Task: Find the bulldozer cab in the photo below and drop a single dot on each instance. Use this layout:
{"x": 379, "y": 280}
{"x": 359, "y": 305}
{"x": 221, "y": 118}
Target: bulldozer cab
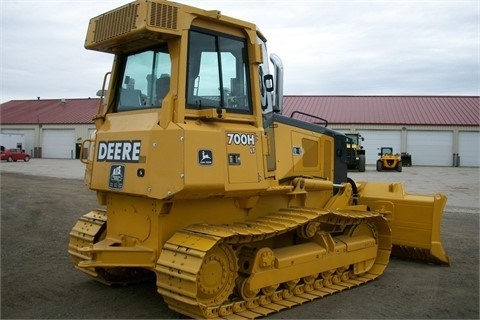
{"x": 206, "y": 68}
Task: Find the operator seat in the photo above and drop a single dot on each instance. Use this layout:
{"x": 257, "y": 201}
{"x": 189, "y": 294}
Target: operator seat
{"x": 130, "y": 98}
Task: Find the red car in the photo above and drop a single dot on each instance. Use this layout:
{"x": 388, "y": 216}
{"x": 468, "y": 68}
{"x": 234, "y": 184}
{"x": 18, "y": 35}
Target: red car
{"x": 15, "y": 155}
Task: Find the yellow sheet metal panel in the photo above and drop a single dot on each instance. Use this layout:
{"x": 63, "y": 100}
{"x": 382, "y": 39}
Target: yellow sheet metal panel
{"x": 130, "y": 155}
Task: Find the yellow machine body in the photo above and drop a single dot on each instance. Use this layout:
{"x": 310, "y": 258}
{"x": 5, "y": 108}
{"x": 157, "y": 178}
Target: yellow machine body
{"x": 389, "y": 160}
{"x": 234, "y": 208}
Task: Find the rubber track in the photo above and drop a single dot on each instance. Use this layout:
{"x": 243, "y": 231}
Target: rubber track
{"x": 181, "y": 298}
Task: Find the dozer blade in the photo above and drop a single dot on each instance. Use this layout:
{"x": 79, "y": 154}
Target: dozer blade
{"x": 415, "y": 220}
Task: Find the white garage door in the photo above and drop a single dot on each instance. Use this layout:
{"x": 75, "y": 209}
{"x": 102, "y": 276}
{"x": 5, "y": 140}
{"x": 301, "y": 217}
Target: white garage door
{"x": 375, "y": 139}
{"x": 469, "y": 149}
{"x": 29, "y": 135}
{"x": 58, "y": 143}
{"x": 430, "y": 148}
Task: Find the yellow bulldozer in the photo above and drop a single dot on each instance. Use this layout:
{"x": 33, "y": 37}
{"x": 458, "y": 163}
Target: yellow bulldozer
{"x": 235, "y": 209}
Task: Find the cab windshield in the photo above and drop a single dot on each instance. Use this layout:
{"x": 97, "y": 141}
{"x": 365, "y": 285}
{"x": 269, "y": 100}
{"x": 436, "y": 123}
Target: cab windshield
{"x": 353, "y": 138}
{"x": 145, "y": 80}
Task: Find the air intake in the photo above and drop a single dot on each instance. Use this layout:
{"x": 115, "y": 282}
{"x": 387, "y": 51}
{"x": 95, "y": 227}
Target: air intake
{"x": 116, "y": 23}
{"x": 138, "y": 25}
{"x": 163, "y": 16}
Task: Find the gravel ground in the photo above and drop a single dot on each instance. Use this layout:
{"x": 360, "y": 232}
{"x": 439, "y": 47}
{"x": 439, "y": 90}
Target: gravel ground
{"x": 41, "y": 200}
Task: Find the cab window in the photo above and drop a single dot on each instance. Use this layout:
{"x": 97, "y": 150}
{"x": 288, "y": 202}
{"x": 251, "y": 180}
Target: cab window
{"x": 145, "y": 80}
{"x": 217, "y": 74}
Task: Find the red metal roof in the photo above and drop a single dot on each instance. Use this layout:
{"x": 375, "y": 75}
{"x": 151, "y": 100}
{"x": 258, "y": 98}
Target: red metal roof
{"x": 396, "y": 110}
{"x": 49, "y": 111}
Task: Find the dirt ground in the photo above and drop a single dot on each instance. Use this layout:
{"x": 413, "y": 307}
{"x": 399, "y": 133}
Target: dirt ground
{"x": 39, "y": 281}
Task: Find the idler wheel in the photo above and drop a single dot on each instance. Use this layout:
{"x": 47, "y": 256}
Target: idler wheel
{"x": 216, "y": 277}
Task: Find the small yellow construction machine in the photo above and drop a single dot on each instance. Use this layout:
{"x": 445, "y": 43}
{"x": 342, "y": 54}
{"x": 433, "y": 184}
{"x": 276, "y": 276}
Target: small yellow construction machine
{"x": 235, "y": 209}
{"x": 389, "y": 160}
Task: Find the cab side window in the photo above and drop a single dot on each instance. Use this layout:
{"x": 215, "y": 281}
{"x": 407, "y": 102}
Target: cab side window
{"x": 145, "y": 81}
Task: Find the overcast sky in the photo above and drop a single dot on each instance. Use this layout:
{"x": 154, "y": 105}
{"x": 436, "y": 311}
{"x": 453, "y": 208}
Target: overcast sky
{"x": 327, "y": 47}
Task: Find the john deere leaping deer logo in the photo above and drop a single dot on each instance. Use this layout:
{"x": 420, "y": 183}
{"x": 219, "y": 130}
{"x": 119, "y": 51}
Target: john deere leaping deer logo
{"x": 205, "y": 157}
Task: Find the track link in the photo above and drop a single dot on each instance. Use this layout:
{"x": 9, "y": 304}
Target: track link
{"x": 187, "y": 256}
